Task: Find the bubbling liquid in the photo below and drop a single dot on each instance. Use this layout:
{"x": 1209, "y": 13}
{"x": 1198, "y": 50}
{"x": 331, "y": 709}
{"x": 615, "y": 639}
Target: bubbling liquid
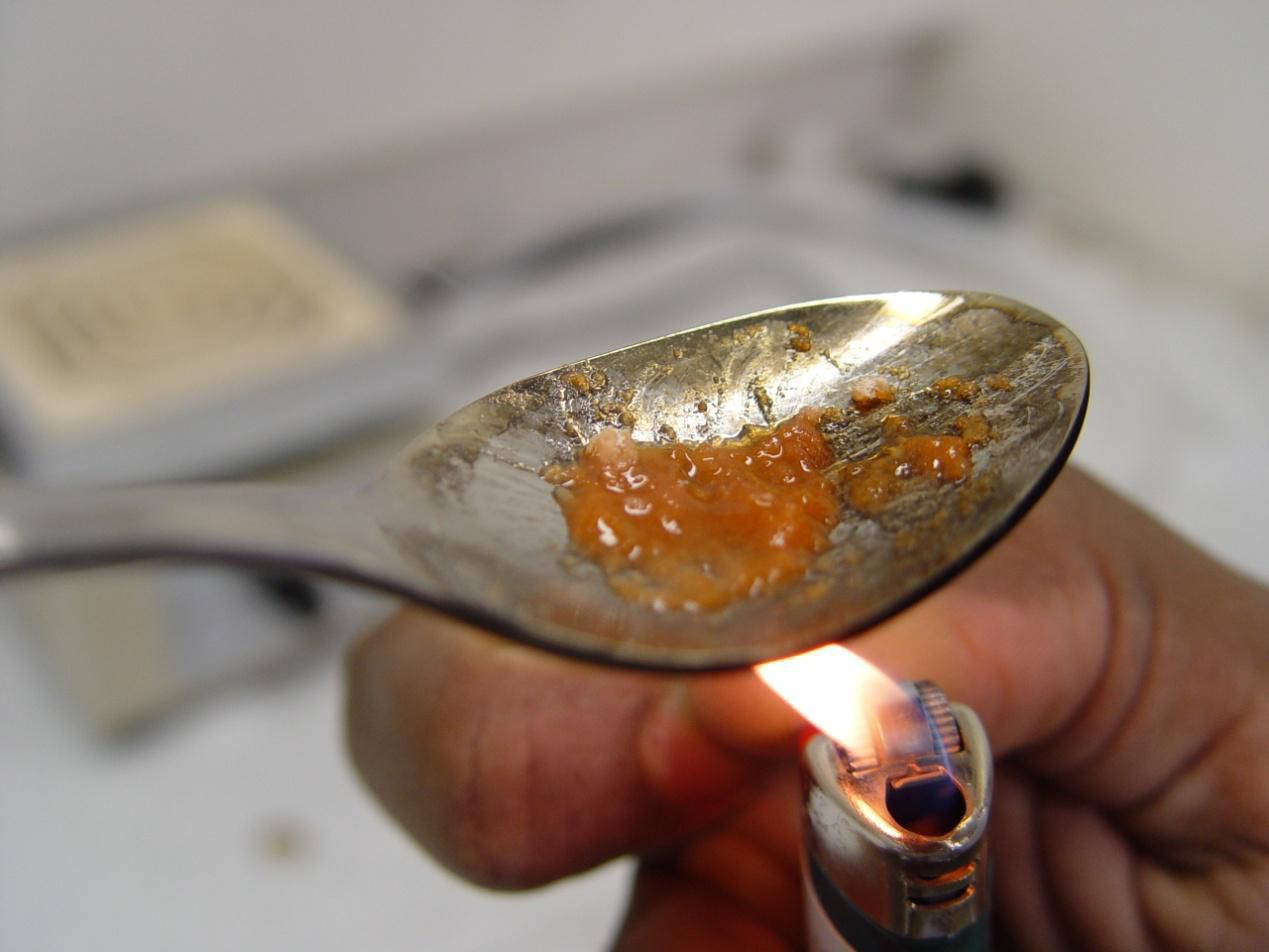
{"x": 696, "y": 527}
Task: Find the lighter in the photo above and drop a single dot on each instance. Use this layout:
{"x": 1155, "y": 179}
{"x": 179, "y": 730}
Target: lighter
{"x": 894, "y": 818}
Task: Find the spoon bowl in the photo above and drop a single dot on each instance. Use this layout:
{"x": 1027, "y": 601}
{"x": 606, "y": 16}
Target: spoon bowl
{"x": 462, "y": 520}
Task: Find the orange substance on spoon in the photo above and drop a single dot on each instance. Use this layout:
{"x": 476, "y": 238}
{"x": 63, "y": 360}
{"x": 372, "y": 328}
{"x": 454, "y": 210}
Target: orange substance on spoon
{"x": 697, "y": 527}
{"x": 871, "y": 483}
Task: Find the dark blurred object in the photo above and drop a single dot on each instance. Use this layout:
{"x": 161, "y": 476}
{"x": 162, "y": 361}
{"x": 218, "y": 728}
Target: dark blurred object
{"x": 291, "y": 591}
{"x": 434, "y": 285}
{"x": 969, "y": 186}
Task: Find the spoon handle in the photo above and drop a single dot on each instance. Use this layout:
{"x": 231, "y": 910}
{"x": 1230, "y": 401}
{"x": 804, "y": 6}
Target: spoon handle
{"x": 237, "y": 524}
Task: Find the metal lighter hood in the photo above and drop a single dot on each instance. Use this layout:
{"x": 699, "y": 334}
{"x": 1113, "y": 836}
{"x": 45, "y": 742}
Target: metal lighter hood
{"x": 894, "y": 826}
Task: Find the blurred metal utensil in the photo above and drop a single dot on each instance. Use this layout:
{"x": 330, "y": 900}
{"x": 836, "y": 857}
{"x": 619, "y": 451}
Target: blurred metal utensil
{"x": 462, "y": 521}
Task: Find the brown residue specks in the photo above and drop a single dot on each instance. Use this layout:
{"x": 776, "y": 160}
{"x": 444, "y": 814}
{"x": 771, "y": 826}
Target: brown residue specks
{"x": 702, "y": 406}
{"x": 577, "y": 381}
{"x": 973, "y": 428}
{"x": 895, "y": 426}
{"x": 764, "y": 401}
{"x": 598, "y": 380}
{"x": 868, "y": 393}
{"x": 557, "y": 475}
{"x": 954, "y": 388}
{"x": 871, "y": 483}
{"x": 668, "y": 432}
{"x": 800, "y": 338}
{"x": 997, "y": 382}
{"x": 975, "y": 493}
{"x": 617, "y": 413}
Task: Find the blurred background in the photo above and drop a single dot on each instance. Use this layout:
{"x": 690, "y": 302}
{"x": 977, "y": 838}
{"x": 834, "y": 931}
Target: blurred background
{"x": 275, "y": 239}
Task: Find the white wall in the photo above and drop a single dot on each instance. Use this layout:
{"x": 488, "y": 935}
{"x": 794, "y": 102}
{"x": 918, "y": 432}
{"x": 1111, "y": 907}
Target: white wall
{"x": 1147, "y": 120}
{"x": 103, "y": 103}
{"x": 1142, "y": 119}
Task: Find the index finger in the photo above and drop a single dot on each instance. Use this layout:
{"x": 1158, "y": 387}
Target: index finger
{"x": 515, "y": 767}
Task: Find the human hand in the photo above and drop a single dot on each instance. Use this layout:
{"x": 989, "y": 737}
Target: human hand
{"x": 1120, "y": 673}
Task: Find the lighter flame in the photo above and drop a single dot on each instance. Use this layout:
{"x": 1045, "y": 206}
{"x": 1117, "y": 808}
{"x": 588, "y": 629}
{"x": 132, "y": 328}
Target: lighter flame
{"x": 834, "y": 689}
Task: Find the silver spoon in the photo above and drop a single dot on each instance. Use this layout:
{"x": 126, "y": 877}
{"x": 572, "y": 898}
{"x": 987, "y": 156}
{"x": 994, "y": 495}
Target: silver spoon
{"x": 462, "y": 520}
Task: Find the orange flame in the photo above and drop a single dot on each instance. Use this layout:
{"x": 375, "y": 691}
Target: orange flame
{"x": 834, "y": 689}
